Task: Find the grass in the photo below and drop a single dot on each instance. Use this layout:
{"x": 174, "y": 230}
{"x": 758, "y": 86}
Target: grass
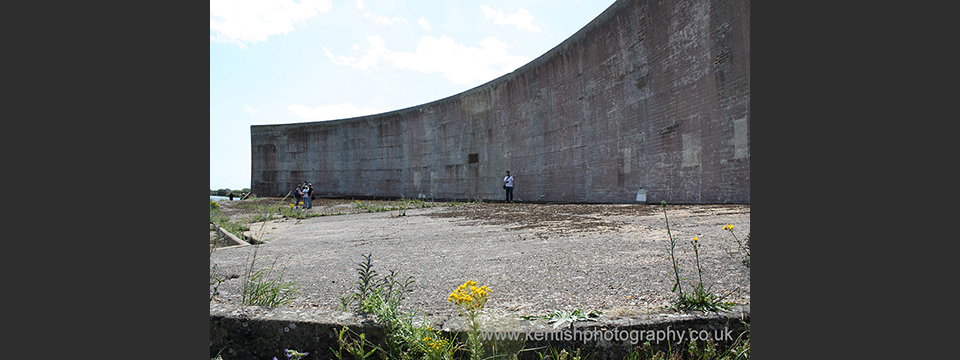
{"x": 401, "y": 205}
{"x": 223, "y": 221}
{"x": 267, "y": 213}
{"x": 261, "y": 289}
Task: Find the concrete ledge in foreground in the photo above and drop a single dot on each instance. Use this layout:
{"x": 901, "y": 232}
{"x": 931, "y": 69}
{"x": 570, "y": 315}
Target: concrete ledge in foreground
{"x": 253, "y": 332}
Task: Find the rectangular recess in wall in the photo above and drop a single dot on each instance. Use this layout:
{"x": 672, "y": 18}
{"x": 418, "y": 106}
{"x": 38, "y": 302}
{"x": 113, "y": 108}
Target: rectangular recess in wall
{"x": 473, "y": 159}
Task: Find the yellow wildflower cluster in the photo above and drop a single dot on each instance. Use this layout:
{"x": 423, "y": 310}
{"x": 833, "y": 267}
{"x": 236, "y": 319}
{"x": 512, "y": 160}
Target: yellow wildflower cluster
{"x": 469, "y": 300}
{"x": 728, "y": 227}
{"x": 435, "y": 344}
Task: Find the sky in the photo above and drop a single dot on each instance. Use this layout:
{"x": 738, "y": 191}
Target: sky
{"x": 285, "y": 61}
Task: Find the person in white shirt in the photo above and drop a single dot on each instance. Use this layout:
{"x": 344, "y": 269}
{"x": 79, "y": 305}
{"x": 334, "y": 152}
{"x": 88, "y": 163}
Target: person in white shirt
{"x": 508, "y": 186}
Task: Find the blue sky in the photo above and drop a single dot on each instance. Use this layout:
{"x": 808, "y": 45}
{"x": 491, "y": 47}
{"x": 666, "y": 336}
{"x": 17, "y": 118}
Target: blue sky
{"x": 284, "y": 61}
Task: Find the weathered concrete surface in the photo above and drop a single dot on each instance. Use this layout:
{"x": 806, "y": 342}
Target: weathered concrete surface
{"x": 649, "y": 101}
{"x": 254, "y": 332}
{"x": 535, "y": 259}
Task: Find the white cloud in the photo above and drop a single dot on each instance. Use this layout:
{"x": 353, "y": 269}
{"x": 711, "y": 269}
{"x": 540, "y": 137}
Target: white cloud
{"x": 255, "y": 20}
{"x": 330, "y": 112}
{"x": 366, "y": 62}
{"x": 521, "y": 19}
{"x": 386, "y": 21}
{"x": 459, "y": 63}
{"x": 360, "y": 4}
{"x": 424, "y": 23}
{"x": 250, "y": 109}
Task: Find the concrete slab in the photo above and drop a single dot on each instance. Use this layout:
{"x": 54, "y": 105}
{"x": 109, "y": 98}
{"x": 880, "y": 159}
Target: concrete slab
{"x": 535, "y": 258}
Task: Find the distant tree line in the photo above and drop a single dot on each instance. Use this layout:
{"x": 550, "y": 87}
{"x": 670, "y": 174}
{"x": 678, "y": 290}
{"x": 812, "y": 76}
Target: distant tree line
{"x": 227, "y": 192}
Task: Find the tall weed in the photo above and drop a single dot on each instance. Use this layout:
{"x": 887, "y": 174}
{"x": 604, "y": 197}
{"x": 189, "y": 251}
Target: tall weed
{"x": 261, "y": 289}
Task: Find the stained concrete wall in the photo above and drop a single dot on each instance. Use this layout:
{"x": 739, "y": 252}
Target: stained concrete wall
{"x": 650, "y": 101}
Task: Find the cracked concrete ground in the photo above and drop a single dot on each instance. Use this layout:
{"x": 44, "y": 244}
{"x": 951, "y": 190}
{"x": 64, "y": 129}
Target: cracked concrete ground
{"x": 535, "y": 258}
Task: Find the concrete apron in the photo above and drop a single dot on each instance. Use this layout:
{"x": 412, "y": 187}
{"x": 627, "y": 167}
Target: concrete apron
{"x": 255, "y": 332}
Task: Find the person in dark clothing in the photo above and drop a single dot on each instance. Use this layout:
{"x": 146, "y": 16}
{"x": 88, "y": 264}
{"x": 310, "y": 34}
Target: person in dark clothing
{"x": 297, "y": 195}
{"x": 309, "y": 196}
{"x": 508, "y": 186}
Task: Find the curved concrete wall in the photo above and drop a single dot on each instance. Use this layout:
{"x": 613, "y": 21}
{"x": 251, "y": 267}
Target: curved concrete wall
{"x": 650, "y": 101}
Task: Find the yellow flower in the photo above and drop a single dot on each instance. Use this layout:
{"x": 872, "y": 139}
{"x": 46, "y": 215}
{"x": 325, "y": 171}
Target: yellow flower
{"x": 728, "y": 227}
{"x": 434, "y": 344}
{"x": 695, "y": 238}
{"x": 469, "y": 297}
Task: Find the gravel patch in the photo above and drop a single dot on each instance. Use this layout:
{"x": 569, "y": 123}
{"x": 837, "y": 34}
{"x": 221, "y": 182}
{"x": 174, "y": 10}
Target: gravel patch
{"x": 535, "y": 258}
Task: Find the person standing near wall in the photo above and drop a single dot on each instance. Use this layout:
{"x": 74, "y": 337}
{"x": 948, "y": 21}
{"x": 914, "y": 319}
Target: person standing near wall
{"x": 309, "y": 195}
{"x": 508, "y": 186}
{"x": 297, "y": 196}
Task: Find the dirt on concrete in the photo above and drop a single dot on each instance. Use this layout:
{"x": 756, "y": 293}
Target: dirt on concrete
{"x": 535, "y": 258}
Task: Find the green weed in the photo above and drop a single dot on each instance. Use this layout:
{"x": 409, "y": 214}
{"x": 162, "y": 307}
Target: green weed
{"x": 743, "y": 246}
{"x": 561, "y": 317}
{"x": 353, "y": 347}
{"x": 563, "y": 354}
{"x": 381, "y": 296}
{"x": 259, "y": 289}
{"x": 700, "y": 299}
